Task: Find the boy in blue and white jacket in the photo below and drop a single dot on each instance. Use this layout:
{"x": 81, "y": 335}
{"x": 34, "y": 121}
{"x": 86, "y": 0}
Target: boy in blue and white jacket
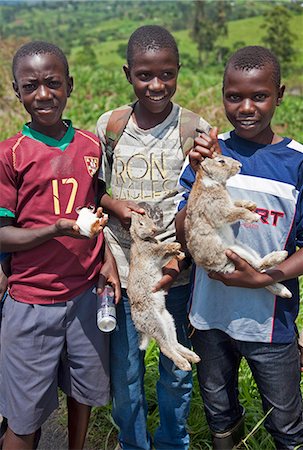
{"x": 232, "y": 314}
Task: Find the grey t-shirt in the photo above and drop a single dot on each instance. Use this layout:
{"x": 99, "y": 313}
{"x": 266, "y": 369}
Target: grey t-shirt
{"x": 146, "y": 166}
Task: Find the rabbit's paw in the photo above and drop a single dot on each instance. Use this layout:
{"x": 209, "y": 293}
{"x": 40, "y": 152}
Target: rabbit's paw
{"x": 247, "y": 204}
{"x": 180, "y": 256}
{"x": 253, "y": 217}
{"x": 174, "y": 247}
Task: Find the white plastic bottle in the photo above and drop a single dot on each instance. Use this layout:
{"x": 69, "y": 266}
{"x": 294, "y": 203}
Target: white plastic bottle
{"x": 106, "y": 310}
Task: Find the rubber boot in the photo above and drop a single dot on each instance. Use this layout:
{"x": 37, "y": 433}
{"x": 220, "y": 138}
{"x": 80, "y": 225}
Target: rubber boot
{"x": 228, "y": 440}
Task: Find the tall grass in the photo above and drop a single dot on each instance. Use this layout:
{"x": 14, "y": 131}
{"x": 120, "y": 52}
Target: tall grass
{"x": 103, "y": 432}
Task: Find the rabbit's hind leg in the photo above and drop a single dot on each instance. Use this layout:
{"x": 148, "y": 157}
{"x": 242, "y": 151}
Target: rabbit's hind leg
{"x": 172, "y": 338}
{"x": 166, "y": 338}
{"x": 272, "y": 259}
{"x": 279, "y": 289}
{"x": 188, "y": 354}
{"x": 176, "y": 357}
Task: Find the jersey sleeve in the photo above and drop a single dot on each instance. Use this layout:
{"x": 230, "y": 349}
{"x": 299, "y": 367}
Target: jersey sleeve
{"x": 105, "y": 172}
{"x": 8, "y": 181}
{"x": 185, "y": 182}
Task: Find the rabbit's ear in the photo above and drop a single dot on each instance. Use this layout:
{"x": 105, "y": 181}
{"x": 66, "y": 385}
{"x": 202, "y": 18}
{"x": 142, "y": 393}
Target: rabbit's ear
{"x": 134, "y": 216}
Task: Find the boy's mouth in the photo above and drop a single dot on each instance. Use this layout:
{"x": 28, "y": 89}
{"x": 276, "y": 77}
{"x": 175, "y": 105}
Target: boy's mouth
{"x": 49, "y": 108}
{"x": 46, "y": 107}
{"x": 156, "y": 98}
{"x": 247, "y": 123}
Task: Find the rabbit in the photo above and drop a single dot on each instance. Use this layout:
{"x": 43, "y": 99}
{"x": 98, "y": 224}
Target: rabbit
{"x": 148, "y": 310}
{"x": 210, "y": 213}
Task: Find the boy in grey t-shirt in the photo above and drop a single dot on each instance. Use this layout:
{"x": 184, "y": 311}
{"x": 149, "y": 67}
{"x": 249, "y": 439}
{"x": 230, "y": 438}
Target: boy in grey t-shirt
{"x": 143, "y": 177}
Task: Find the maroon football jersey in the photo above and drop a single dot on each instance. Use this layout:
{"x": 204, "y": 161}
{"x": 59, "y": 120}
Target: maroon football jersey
{"x": 41, "y": 180}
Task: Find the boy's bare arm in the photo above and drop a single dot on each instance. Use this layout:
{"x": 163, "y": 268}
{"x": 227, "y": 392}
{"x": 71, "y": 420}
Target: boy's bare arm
{"x": 246, "y": 276}
{"x": 14, "y": 239}
{"x": 109, "y": 273}
{"x": 179, "y": 223}
{"x": 121, "y": 209}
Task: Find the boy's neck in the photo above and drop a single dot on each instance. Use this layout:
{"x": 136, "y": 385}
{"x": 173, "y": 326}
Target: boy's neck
{"x": 266, "y": 138}
{"x": 145, "y": 119}
{"x": 56, "y": 131}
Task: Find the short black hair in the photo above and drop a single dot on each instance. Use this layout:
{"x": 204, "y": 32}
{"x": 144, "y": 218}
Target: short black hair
{"x": 254, "y": 57}
{"x": 150, "y": 37}
{"x": 38, "y": 48}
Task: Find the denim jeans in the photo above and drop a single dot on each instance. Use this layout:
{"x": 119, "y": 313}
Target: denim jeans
{"x": 129, "y": 408}
{"x": 276, "y": 370}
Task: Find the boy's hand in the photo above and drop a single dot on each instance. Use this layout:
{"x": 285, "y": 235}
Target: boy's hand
{"x": 109, "y": 275}
{"x": 68, "y": 227}
{"x": 243, "y": 276}
{"x": 123, "y": 210}
{"x": 206, "y": 146}
{"x": 170, "y": 273}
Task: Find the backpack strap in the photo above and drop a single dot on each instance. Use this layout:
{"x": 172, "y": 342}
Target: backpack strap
{"x": 189, "y": 122}
{"x": 115, "y": 127}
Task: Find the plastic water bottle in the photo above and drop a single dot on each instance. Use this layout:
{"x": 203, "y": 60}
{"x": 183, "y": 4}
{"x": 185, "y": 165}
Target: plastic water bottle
{"x": 106, "y": 310}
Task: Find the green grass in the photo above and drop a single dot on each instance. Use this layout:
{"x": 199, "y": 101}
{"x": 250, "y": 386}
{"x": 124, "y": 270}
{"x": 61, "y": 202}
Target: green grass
{"x": 103, "y": 433}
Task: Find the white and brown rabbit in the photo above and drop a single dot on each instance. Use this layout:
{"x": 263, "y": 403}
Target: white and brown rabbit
{"x": 148, "y": 310}
{"x": 210, "y": 213}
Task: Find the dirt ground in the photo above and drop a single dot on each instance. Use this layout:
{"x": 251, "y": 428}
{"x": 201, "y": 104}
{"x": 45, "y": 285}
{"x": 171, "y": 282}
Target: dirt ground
{"x": 54, "y": 436}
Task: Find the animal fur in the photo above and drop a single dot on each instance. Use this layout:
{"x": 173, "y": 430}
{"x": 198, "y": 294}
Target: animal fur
{"x": 148, "y": 310}
{"x": 210, "y": 213}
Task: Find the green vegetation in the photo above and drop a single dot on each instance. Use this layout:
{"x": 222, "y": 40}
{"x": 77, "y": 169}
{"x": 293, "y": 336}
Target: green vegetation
{"x": 94, "y": 35}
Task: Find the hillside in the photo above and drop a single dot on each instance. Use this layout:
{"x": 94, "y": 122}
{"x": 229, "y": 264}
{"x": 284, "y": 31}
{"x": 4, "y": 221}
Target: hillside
{"x": 94, "y": 35}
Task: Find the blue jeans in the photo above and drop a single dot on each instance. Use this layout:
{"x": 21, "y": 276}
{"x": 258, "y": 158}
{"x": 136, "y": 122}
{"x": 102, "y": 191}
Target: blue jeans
{"x": 129, "y": 409}
{"x": 276, "y": 370}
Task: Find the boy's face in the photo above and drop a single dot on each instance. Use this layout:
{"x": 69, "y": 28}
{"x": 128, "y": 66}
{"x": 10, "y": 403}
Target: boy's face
{"x": 153, "y": 75}
{"x": 250, "y": 98}
{"x": 43, "y": 88}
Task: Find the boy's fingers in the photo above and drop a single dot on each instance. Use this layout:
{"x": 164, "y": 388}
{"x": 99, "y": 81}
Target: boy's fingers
{"x": 99, "y": 212}
{"x": 204, "y": 141}
{"x": 101, "y": 283}
{"x": 199, "y": 153}
{"x": 136, "y": 208}
{"x": 213, "y": 134}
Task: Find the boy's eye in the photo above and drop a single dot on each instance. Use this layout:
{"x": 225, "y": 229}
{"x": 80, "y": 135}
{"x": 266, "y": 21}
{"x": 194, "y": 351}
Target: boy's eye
{"x": 260, "y": 97}
{"x": 144, "y": 76}
{"x": 29, "y": 87}
{"x": 167, "y": 76}
{"x": 234, "y": 98}
{"x": 53, "y": 84}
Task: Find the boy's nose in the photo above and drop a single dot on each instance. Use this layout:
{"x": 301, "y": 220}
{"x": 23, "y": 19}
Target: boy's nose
{"x": 247, "y": 106}
{"x": 156, "y": 84}
{"x": 43, "y": 92}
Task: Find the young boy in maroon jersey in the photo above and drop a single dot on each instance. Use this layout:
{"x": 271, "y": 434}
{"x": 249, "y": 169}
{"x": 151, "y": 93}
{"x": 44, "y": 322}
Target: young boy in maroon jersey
{"x": 49, "y": 335}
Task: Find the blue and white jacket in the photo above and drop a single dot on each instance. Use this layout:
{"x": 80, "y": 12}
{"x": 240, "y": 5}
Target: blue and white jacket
{"x": 272, "y": 177}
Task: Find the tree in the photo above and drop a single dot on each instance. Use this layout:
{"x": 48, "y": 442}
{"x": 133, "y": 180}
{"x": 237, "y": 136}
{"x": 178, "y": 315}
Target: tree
{"x": 210, "y": 22}
{"x": 279, "y": 38}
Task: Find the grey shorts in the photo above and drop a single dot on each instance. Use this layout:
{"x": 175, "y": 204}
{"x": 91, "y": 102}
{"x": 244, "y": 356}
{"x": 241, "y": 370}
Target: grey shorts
{"x": 46, "y": 346}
